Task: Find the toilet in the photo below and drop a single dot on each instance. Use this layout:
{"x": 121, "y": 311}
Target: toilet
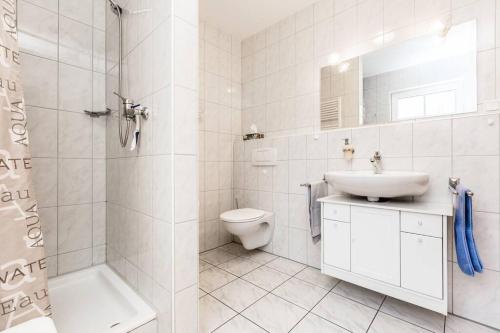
{"x": 254, "y": 227}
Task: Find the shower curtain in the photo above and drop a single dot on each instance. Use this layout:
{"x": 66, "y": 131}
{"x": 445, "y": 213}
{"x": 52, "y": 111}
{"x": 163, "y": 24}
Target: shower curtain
{"x": 23, "y": 265}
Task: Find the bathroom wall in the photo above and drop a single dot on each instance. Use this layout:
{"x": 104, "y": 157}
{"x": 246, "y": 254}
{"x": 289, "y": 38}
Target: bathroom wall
{"x": 280, "y": 95}
{"x": 219, "y": 126}
{"x": 152, "y": 216}
{"x": 63, "y": 73}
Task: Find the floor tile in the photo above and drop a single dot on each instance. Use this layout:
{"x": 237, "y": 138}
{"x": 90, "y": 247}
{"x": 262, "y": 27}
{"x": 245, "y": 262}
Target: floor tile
{"x": 239, "y": 324}
{"x": 213, "y": 314}
{"x": 274, "y": 314}
{"x": 286, "y": 266}
{"x": 260, "y": 256}
{"x": 430, "y": 320}
{"x": 216, "y": 256}
{"x": 314, "y": 276}
{"x": 300, "y": 293}
{"x": 234, "y": 248}
{"x": 239, "y": 266}
{"x": 266, "y": 277}
{"x": 359, "y": 294}
{"x": 384, "y": 323}
{"x": 239, "y": 294}
{"x": 314, "y": 324}
{"x": 348, "y": 314}
{"x": 201, "y": 293}
{"x": 203, "y": 266}
{"x": 214, "y": 278}
{"x": 455, "y": 324}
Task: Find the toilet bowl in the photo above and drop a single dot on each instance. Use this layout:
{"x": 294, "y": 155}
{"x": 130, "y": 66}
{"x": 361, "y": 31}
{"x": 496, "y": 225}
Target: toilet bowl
{"x": 254, "y": 227}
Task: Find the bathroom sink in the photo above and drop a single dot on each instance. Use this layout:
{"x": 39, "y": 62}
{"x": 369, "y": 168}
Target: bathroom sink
{"x": 388, "y": 184}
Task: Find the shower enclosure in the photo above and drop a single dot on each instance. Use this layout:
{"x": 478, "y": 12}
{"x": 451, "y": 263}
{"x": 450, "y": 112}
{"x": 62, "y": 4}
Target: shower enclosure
{"x": 116, "y": 221}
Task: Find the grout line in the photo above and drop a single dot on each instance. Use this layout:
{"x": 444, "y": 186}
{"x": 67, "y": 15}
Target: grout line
{"x": 319, "y": 301}
{"x": 376, "y": 314}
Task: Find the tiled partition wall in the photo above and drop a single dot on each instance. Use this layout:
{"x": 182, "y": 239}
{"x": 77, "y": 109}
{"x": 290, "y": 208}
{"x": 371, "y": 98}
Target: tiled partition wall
{"x": 62, "y": 48}
{"x": 280, "y": 94}
{"x": 152, "y": 225}
{"x": 220, "y": 126}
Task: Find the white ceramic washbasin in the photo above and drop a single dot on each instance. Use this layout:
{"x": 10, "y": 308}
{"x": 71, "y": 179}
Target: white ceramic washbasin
{"x": 388, "y": 184}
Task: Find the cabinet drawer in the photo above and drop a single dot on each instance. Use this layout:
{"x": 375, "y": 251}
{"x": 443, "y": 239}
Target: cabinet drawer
{"x": 422, "y": 264}
{"x": 422, "y": 224}
{"x": 337, "y": 244}
{"x": 337, "y": 212}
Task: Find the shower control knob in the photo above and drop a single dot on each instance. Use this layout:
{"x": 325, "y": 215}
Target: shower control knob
{"x": 145, "y": 113}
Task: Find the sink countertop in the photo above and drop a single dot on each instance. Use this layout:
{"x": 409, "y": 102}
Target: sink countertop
{"x": 394, "y": 204}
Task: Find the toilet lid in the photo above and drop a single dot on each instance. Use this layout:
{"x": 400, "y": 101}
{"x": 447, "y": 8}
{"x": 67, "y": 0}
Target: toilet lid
{"x": 242, "y": 215}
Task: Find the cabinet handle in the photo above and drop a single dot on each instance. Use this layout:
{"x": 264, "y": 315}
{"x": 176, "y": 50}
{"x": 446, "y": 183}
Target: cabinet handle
{"x": 420, "y": 223}
{"x": 420, "y": 240}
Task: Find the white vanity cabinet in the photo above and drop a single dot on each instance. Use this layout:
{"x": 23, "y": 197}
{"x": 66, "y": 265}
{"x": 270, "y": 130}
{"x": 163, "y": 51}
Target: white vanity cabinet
{"x": 395, "y": 248}
{"x": 375, "y": 243}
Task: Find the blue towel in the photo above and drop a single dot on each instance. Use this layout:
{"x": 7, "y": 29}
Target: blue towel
{"x": 467, "y": 255}
{"x": 469, "y": 235}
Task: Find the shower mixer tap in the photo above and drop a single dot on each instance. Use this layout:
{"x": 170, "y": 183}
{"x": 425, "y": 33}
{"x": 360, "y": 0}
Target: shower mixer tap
{"x": 131, "y": 110}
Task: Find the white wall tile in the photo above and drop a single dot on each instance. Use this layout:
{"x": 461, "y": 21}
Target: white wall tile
{"x": 398, "y": 13}
{"x": 432, "y": 138}
{"x": 396, "y": 140}
{"x": 74, "y": 186}
{"x": 470, "y": 299}
{"x": 185, "y": 186}
{"x": 298, "y": 245}
{"x": 186, "y": 254}
{"x": 75, "y": 88}
{"x": 370, "y": 19}
{"x": 74, "y": 228}
{"x": 185, "y": 60}
{"x": 476, "y": 135}
{"x": 38, "y": 29}
{"x": 75, "y": 43}
{"x": 366, "y": 141}
{"x": 475, "y": 173}
{"x": 42, "y": 126}
{"x": 323, "y": 9}
{"x": 40, "y": 81}
{"x": 80, "y": 10}
{"x": 304, "y": 18}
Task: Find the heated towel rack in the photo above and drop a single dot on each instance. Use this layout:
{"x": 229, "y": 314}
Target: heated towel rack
{"x": 452, "y": 185}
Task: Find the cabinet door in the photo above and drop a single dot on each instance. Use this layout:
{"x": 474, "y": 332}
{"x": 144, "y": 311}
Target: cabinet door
{"x": 375, "y": 244}
{"x": 422, "y": 264}
{"x": 336, "y": 244}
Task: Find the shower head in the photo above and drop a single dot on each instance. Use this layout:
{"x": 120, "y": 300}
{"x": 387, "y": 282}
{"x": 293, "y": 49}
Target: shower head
{"x": 115, "y": 8}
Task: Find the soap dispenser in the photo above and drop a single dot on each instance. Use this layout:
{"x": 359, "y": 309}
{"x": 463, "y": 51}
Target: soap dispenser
{"x": 348, "y": 150}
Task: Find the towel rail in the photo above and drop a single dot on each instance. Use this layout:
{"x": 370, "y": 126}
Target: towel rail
{"x": 452, "y": 185}
{"x": 309, "y": 184}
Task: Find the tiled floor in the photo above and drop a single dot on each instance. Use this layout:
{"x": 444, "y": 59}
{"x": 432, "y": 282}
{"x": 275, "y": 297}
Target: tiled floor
{"x": 254, "y": 291}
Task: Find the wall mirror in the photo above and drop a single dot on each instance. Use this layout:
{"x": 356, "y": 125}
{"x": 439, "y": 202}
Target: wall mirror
{"x": 429, "y": 76}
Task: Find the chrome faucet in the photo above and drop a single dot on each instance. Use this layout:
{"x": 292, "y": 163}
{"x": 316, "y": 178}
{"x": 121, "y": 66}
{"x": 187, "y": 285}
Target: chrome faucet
{"x": 376, "y": 162}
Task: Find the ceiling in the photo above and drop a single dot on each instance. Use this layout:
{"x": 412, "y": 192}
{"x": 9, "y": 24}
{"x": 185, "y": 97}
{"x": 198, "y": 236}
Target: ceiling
{"x": 243, "y": 18}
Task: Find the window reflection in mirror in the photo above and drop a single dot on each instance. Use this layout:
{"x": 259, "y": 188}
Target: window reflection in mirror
{"x": 428, "y": 76}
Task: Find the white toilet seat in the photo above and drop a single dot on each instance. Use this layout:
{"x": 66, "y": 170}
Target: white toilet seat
{"x": 254, "y": 227}
{"x": 242, "y": 215}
